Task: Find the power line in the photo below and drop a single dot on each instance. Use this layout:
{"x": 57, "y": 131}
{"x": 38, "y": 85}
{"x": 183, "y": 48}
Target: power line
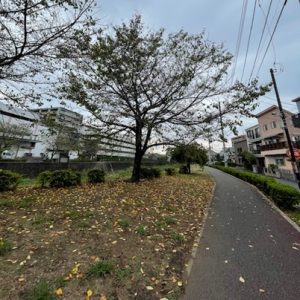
{"x": 269, "y": 31}
{"x": 261, "y": 38}
{"x": 239, "y": 39}
{"x": 273, "y": 99}
{"x": 277, "y": 22}
{"x": 249, "y": 38}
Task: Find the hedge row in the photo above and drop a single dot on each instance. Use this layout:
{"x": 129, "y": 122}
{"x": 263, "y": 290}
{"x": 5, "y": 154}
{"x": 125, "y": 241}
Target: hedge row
{"x": 283, "y": 195}
{"x": 65, "y": 178}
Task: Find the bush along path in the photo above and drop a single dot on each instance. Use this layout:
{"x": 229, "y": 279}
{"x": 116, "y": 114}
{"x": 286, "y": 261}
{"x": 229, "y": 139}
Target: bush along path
{"x": 283, "y": 195}
{"x": 111, "y": 240}
{"x": 247, "y": 250}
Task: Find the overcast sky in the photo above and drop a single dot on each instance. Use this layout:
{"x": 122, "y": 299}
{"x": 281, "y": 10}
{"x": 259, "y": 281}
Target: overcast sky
{"x": 221, "y": 20}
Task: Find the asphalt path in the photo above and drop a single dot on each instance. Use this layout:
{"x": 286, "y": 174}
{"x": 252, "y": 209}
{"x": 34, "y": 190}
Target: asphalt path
{"x": 247, "y": 249}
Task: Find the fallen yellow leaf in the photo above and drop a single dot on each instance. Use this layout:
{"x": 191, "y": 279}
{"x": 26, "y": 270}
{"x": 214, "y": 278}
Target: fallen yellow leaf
{"x": 59, "y": 292}
{"x": 242, "y": 279}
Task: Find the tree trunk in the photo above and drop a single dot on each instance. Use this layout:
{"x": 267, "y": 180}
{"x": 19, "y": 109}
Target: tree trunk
{"x": 189, "y": 167}
{"x": 17, "y": 152}
{"x": 136, "y": 172}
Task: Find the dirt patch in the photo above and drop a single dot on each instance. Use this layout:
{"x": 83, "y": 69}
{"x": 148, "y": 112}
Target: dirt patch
{"x": 144, "y": 231}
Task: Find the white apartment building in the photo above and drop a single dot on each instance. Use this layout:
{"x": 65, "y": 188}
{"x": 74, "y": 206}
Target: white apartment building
{"x": 36, "y": 141}
{"x": 21, "y": 133}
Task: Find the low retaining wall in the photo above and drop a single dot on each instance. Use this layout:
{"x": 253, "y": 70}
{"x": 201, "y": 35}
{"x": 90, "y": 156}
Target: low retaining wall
{"x": 32, "y": 169}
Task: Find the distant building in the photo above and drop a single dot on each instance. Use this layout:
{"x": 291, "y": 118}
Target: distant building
{"x": 239, "y": 145}
{"x": 61, "y": 115}
{"x": 14, "y": 121}
{"x": 254, "y": 140}
{"x": 40, "y": 143}
{"x": 116, "y": 147}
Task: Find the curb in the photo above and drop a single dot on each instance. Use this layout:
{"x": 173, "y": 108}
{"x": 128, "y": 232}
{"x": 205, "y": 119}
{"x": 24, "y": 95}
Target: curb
{"x": 196, "y": 242}
{"x": 269, "y": 201}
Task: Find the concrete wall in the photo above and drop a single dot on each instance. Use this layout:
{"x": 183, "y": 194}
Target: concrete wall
{"x": 31, "y": 170}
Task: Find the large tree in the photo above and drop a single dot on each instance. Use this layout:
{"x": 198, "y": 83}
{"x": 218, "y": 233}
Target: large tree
{"x": 32, "y": 34}
{"x": 160, "y": 88}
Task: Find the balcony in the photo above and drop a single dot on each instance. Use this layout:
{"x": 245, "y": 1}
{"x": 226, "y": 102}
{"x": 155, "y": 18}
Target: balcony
{"x": 274, "y": 146}
{"x": 255, "y": 151}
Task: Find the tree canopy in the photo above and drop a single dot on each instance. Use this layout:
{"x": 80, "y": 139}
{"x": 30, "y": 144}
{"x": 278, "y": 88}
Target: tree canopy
{"x": 32, "y": 34}
{"x": 188, "y": 154}
{"x": 159, "y": 88}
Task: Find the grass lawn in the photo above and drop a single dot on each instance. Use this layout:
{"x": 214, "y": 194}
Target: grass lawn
{"x": 115, "y": 240}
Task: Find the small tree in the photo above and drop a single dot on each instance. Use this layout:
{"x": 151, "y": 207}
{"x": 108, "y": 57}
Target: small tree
{"x": 248, "y": 159}
{"x": 89, "y": 146}
{"x": 189, "y": 154}
{"x": 158, "y": 88}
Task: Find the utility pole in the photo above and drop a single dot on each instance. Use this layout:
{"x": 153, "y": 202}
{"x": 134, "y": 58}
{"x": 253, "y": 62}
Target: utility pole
{"x": 286, "y": 130}
{"x": 223, "y": 139}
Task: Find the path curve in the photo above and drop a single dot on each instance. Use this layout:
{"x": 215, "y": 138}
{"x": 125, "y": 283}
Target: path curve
{"x": 247, "y": 249}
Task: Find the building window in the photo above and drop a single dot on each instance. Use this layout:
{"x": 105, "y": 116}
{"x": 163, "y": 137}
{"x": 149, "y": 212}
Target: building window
{"x": 265, "y": 127}
{"x": 273, "y": 124}
{"x": 257, "y": 133}
{"x": 279, "y": 161}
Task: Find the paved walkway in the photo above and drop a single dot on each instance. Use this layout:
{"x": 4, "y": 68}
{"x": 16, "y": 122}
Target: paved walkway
{"x": 247, "y": 250}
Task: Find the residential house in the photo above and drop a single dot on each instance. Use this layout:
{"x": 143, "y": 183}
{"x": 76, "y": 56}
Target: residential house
{"x": 274, "y": 145}
{"x": 239, "y": 144}
{"x": 254, "y": 141}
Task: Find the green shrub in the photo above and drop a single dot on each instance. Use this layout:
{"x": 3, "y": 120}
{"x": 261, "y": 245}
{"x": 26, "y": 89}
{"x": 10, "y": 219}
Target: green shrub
{"x": 5, "y": 247}
{"x": 59, "y": 178}
{"x": 150, "y": 173}
{"x": 283, "y": 195}
{"x": 100, "y": 268}
{"x": 9, "y": 180}
{"x": 96, "y": 176}
{"x": 64, "y": 178}
{"x": 43, "y": 178}
{"x": 170, "y": 171}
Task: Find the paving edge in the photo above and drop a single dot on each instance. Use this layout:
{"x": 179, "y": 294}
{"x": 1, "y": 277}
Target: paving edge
{"x": 269, "y": 201}
{"x": 196, "y": 242}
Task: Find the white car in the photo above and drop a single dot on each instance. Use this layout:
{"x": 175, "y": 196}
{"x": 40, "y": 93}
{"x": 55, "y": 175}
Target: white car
{"x": 7, "y": 154}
